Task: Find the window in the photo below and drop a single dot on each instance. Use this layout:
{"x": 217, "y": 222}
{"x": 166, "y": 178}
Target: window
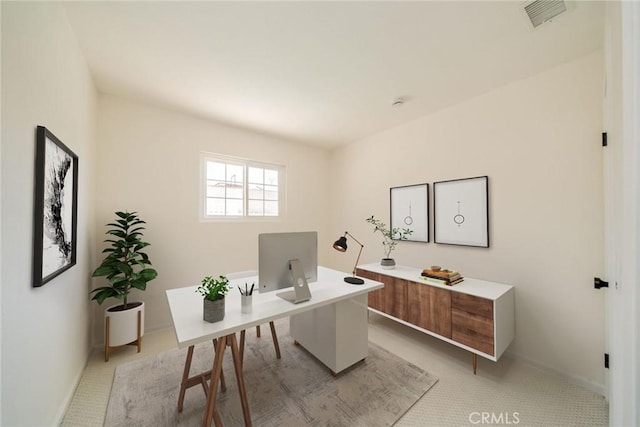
{"x": 238, "y": 188}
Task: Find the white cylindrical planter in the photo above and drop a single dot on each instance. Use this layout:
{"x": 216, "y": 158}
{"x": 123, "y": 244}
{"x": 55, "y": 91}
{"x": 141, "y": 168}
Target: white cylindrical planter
{"x": 388, "y": 263}
{"x": 123, "y": 327}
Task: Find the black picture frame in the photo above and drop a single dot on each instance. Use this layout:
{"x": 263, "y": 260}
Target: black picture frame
{"x": 409, "y": 208}
{"x": 55, "y": 218}
{"x": 461, "y": 212}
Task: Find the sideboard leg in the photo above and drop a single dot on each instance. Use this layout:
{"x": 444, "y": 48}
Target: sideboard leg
{"x": 475, "y": 363}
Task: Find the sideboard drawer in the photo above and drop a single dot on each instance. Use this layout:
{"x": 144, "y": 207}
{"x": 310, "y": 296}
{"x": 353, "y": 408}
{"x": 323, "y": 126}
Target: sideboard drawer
{"x": 473, "y": 305}
{"x": 473, "y": 330}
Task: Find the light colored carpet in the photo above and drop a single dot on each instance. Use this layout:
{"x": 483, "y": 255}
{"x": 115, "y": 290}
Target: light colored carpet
{"x": 295, "y": 390}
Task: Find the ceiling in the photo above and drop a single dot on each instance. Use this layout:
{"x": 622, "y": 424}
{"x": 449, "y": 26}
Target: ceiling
{"x": 321, "y": 73}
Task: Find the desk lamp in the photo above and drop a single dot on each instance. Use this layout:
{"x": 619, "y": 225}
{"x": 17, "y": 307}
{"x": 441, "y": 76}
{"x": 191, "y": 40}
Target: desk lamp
{"x": 341, "y": 245}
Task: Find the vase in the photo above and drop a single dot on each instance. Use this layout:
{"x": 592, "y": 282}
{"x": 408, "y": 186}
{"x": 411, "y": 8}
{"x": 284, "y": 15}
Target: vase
{"x": 213, "y": 311}
{"x": 388, "y": 263}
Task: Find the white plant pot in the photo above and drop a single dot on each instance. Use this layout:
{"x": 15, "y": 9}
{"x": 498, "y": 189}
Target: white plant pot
{"x": 123, "y": 325}
{"x": 388, "y": 263}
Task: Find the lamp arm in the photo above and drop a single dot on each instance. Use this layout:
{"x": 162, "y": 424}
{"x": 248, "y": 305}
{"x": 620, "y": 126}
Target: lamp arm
{"x": 346, "y": 233}
{"x": 357, "y": 259}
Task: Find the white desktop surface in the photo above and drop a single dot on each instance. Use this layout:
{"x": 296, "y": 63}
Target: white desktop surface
{"x": 186, "y": 306}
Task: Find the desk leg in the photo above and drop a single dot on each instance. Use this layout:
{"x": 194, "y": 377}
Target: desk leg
{"x": 223, "y": 385}
{"x": 210, "y": 413}
{"x": 275, "y": 339}
{"x": 188, "y": 382}
{"x": 242, "y": 334}
{"x": 237, "y": 363}
{"x": 185, "y": 378}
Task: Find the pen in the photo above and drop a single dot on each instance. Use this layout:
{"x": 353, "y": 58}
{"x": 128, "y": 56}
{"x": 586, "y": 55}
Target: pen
{"x": 251, "y": 291}
{"x": 246, "y": 291}
{"x": 240, "y": 289}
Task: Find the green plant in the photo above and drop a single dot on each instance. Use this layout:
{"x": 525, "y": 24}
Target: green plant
{"x": 213, "y": 289}
{"x": 390, "y": 237}
{"x": 126, "y": 265}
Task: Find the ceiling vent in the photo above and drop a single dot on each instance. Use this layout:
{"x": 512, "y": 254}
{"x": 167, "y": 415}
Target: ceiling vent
{"x": 541, "y": 11}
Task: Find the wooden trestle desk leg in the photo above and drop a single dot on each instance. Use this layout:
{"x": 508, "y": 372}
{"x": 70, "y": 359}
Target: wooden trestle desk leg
{"x": 242, "y": 334}
{"x": 274, "y": 336}
{"x": 211, "y": 414}
{"x": 237, "y": 363}
{"x": 202, "y": 378}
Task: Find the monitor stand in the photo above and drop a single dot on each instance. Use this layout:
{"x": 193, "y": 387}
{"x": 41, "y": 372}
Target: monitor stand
{"x": 300, "y": 292}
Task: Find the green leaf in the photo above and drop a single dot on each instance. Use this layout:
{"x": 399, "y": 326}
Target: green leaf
{"x": 139, "y": 284}
{"x": 102, "y": 293}
{"x": 117, "y": 279}
{"x": 148, "y": 274}
{"x": 117, "y": 233}
{"x": 124, "y": 267}
{"x": 103, "y": 270}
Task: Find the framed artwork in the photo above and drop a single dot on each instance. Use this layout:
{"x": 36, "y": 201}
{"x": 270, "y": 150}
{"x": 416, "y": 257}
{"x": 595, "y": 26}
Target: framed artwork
{"x": 410, "y": 209}
{"x": 55, "y": 208}
{"x": 461, "y": 212}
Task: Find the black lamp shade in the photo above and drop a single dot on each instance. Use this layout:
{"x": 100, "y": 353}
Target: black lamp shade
{"x": 341, "y": 244}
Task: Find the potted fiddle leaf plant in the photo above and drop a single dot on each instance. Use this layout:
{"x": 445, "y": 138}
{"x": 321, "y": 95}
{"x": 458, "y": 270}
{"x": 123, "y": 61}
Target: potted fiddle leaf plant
{"x": 125, "y": 267}
{"x": 213, "y": 291}
{"x": 390, "y": 238}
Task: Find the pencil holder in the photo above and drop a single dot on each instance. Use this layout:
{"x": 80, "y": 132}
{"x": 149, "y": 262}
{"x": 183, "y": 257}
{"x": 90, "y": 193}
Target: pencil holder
{"x": 247, "y": 303}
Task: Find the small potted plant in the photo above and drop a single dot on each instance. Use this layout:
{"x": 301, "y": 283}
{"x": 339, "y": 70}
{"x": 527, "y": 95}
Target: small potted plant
{"x": 126, "y": 267}
{"x": 390, "y": 238}
{"x": 213, "y": 290}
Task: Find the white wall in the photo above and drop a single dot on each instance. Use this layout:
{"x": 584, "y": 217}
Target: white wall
{"x": 149, "y": 163}
{"x": 45, "y": 331}
{"x": 538, "y": 140}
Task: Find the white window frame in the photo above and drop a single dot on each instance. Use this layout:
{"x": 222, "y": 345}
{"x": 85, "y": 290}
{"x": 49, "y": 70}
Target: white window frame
{"x": 245, "y": 163}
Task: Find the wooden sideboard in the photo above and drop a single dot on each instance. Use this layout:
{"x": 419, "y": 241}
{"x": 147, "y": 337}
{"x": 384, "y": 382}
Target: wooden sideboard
{"x": 476, "y": 315}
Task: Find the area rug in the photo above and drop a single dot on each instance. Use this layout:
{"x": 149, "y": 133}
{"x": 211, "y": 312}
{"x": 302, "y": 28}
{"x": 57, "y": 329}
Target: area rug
{"x": 292, "y": 391}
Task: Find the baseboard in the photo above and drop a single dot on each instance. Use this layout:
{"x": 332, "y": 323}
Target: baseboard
{"x": 594, "y": 387}
{"x": 69, "y": 398}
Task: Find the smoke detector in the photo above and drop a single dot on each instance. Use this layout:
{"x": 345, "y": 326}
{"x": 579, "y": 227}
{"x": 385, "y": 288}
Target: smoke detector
{"x": 539, "y": 12}
{"x": 397, "y": 103}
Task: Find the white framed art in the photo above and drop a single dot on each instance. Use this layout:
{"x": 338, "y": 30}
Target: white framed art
{"x": 461, "y": 211}
{"x": 410, "y": 210}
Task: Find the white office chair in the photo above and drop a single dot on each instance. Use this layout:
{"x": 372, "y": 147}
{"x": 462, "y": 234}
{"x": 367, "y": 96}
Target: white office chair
{"x": 274, "y": 336}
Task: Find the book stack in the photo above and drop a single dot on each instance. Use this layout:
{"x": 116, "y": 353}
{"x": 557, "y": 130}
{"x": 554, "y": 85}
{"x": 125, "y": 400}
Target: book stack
{"x": 441, "y": 277}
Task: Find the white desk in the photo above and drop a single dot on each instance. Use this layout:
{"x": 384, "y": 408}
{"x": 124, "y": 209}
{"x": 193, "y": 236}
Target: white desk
{"x": 332, "y": 326}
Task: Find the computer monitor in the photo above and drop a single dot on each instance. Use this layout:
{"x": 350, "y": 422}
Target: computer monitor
{"x": 275, "y": 253}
